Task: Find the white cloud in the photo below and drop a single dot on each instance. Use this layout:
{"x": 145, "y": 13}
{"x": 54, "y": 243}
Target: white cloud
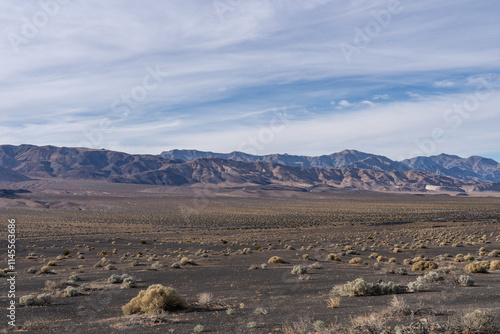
{"x": 226, "y": 72}
{"x": 444, "y": 83}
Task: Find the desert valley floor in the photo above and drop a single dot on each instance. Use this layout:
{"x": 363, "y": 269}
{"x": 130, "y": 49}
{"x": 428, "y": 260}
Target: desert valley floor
{"x": 214, "y": 247}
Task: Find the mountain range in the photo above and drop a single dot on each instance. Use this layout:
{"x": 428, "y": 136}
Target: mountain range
{"x": 474, "y": 168}
{"x": 349, "y": 169}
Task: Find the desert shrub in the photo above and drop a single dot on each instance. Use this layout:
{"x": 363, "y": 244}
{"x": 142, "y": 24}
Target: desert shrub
{"x": 333, "y": 302}
{"x": 469, "y": 257}
{"x": 424, "y": 265}
{"x": 401, "y": 271}
{"x": 75, "y": 278}
{"x": 356, "y": 260}
{"x": 43, "y": 299}
{"x": 134, "y": 263}
{"x": 381, "y": 258}
{"x": 230, "y": 311}
{"x": 359, "y": 287}
{"x": 205, "y": 298}
{"x": 478, "y": 267}
{"x": 254, "y": 267}
{"x": 305, "y": 256}
{"x": 198, "y": 329}
{"x": 70, "y": 292}
{"x": 397, "y": 250}
{"x": 128, "y": 282}
{"x": 157, "y": 265}
{"x": 27, "y": 300}
{"x": 110, "y": 267}
{"x": 398, "y": 306}
{"x": 45, "y": 270}
{"x": 495, "y": 265}
{"x": 276, "y": 259}
{"x": 263, "y": 266}
{"x": 352, "y": 252}
{"x": 156, "y": 298}
{"x": 260, "y": 310}
{"x": 52, "y": 263}
{"x": 459, "y": 258}
{"x": 316, "y": 265}
{"x": 334, "y": 257}
{"x": 373, "y": 323}
{"x": 465, "y": 280}
{"x": 114, "y": 279}
{"x": 430, "y": 277}
{"x": 32, "y": 270}
{"x": 98, "y": 265}
{"x": 66, "y": 252}
{"x": 252, "y": 324}
{"x": 176, "y": 265}
{"x": 479, "y": 321}
{"x": 415, "y": 286}
{"x": 494, "y": 253}
{"x": 299, "y": 270}
{"x": 408, "y": 262}
{"x": 185, "y": 261}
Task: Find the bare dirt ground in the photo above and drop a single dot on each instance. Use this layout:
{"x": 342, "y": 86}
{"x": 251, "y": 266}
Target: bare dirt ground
{"x": 97, "y": 230}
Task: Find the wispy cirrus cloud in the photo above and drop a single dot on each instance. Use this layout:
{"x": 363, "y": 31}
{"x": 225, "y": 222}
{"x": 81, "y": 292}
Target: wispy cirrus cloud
{"x": 226, "y": 75}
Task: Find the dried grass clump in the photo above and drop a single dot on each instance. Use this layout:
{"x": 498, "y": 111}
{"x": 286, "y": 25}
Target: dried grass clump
{"x": 495, "y": 265}
{"x": 334, "y": 257}
{"x": 478, "y": 267}
{"x": 156, "y": 298}
{"x": 276, "y": 259}
{"x": 479, "y": 321}
{"x": 424, "y": 265}
{"x": 185, "y": 261}
{"x": 381, "y": 258}
{"x": 356, "y": 260}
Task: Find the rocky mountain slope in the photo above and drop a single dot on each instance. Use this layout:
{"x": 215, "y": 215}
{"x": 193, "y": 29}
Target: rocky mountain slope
{"x": 20, "y": 163}
{"x": 474, "y": 168}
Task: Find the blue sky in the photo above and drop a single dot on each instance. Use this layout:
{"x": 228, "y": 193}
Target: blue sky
{"x": 397, "y": 78}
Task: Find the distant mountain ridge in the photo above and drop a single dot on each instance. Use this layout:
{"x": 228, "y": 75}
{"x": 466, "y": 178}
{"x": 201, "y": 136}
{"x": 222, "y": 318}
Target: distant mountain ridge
{"x": 474, "y": 168}
{"x": 29, "y": 163}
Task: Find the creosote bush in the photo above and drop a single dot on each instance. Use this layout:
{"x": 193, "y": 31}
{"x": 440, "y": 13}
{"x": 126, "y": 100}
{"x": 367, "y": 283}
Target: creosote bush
{"x": 333, "y": 257}
{"x": 156, "y": 298}
{"x": 478, "y": 267}
{"x": 424, "y": 265}
{"x": 356, "y": 260}
{"x": 276, "y": 259}
{"x": 495, "y": 265}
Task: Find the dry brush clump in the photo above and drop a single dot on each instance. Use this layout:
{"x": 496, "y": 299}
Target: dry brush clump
{"x": 157, "y": 297}
{"x": 424, "y": 265}
{"x": 359, "y": 287}
{"x": 276, "y": 259}
{"x": 478, "y": 267}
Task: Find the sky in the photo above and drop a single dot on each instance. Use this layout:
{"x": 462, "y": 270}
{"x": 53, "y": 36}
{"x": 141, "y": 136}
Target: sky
{"x": 308, "y": 77}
